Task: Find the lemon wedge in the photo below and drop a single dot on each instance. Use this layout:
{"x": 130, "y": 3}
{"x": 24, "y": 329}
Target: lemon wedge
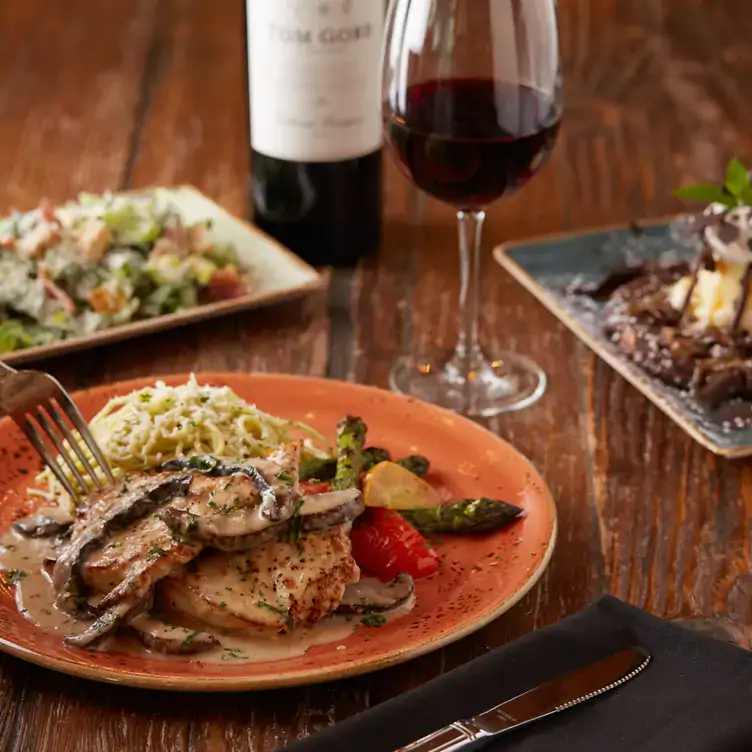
{"x": 391, "y": 486}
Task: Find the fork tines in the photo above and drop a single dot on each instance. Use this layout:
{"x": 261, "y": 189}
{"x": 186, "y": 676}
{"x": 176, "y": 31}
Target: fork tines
{"x": 47, "y": 419}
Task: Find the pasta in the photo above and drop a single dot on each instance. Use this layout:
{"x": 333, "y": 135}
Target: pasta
{"x": 150, "y": 426}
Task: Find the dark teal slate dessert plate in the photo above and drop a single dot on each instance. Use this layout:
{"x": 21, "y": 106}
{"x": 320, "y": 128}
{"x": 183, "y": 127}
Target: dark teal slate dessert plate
{"x": 548, "y": 266}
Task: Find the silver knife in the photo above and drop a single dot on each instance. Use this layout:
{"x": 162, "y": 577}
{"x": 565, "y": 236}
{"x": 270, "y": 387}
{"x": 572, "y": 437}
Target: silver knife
{"x": 558, "y": 694}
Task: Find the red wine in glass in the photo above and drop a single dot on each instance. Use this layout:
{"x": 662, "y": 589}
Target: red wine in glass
{"x": 471, "y": 105}
{"x": 470, "y": 141}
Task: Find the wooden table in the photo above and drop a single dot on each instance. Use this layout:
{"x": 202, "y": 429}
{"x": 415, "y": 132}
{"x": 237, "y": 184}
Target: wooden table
{"x": 133, "y": 93}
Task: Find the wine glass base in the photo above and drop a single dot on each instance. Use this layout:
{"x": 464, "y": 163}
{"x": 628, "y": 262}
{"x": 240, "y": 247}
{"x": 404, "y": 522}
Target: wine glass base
{"x": 510, "y": 382}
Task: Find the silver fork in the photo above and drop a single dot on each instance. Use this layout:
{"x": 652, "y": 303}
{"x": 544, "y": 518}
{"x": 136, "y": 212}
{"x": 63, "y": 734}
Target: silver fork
{"x": 37, "y": 401}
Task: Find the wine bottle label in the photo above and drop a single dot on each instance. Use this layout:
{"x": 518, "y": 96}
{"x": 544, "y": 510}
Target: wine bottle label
{"x": 315, "y": 78}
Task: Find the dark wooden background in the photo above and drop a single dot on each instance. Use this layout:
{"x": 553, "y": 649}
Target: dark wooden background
{"x": 129, "y": 93}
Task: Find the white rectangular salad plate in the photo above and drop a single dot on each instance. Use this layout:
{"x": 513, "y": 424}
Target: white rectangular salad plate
{"x": 277, "y": 272}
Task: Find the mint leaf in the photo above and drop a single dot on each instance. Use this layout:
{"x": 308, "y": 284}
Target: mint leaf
{"x": 706, "y": 194}
{"x": 746, "y": 196}
{"x": 737, "y": 178}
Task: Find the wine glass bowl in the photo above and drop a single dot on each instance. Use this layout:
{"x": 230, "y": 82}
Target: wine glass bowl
{"x": 471, "y": 106}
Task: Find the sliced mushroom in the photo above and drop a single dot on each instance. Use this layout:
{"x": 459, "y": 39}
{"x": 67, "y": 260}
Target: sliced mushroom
{"x": 42, "y": 526}
{"x": 327, "y": 510}
{"x": 237, "y": 531}
{"x": 163, "y": 637}
{"x": 272, "y": 508}
{"x": 373, "y": 597}
{"x": 119, "y": 509}
{"x": 287, "y": 487}
{"x": 102, "y": 626}
{"x": 246, "y": 529}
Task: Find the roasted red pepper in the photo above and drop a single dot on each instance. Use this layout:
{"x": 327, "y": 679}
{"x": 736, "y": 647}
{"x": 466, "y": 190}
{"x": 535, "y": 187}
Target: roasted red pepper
{"x": 318, "y": 487}
{"x": 385, "y": 544}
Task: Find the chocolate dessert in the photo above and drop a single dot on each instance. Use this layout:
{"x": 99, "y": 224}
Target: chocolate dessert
{"x": 690, "y": 324}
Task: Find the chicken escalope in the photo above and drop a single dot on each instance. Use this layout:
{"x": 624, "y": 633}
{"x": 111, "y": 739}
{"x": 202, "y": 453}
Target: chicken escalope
{"x": 271, "y": 589}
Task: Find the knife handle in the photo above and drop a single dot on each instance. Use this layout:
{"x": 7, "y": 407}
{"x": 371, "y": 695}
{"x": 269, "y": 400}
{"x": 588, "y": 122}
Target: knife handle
{"x": 448, "y": 739}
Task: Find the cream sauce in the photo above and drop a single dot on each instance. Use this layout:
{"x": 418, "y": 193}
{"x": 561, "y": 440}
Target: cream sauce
{"x": 23, "y": 561}
{"x": 34, "y": 595}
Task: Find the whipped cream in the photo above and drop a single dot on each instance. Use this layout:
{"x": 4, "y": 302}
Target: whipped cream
{"x": 730, "y": 239}
{"x": 714, "y": 299}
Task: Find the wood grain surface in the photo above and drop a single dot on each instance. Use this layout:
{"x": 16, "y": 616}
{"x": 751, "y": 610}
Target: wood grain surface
{"x": 132, "y": 93}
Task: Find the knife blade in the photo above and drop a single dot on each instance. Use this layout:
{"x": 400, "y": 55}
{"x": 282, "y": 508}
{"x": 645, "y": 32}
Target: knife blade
{"x": 558, "y": 694}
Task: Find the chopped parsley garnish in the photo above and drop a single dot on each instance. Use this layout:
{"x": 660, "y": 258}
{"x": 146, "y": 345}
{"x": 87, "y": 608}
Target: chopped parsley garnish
{"x": 155, "y": 552}
{"x": 295, "y": 527}
{"x": 232, "y": 653}
{"x": 223, "y": 604}
{"x": 284, "y": 614}
{"x": 145, "y": 397}
{"x": 203, "y": 463}
{"x": 286, "y": 477}
{"x": 373, "y": 620}
{"x": 15, "y": 575}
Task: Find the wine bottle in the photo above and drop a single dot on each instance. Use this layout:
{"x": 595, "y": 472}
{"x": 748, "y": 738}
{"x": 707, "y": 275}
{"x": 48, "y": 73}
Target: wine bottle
{"x": 316, "y": 134}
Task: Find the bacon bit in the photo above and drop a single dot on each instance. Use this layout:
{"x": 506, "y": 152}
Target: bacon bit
{"x": 226, "y": 284}
{"x": 198, "y": 238}
{"x": 47, "y": 210}
{"x": 54, "y": 292}
{"x": 163, "y": 247}
{"x": 7, "y": 242}
{"x": 174, "y": 241}
{"x": 107, "y": 300}
{"x": 174, "y": 233}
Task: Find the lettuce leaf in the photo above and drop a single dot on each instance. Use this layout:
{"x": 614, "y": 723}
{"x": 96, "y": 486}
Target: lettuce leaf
{"x": 13, "y": 336}
{"x": 132, "y": 225}
{"x": 223, "y": 254}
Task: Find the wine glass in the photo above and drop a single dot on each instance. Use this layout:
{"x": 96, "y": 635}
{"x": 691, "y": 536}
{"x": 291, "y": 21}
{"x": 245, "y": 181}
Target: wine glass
{"x": 471, "y": 102}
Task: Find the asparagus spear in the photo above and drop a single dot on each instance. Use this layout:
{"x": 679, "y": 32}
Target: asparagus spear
{"x": 417, "y": 464}
{"x": 325, "y": 469}
{"x": 351, "y": 435}
{"x": 464, "y": 516}
{"x": 373, "y": 455}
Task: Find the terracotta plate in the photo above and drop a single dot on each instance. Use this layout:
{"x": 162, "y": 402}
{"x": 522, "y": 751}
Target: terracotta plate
{"x": 479, "y": 578}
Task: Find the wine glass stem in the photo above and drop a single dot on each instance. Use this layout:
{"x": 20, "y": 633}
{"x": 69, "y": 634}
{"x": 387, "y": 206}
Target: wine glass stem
{"x": 468, "y": 355}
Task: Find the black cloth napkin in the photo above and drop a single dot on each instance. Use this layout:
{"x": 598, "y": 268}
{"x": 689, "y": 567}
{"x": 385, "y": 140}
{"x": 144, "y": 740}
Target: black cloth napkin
{"x": 695, "y": 696}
